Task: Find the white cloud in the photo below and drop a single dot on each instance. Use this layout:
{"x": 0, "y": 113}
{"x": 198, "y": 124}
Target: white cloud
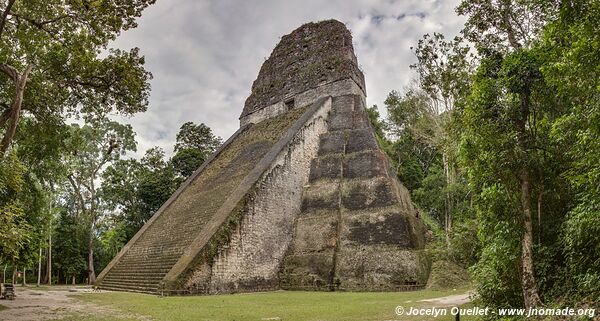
{"x": 204, "y": 55}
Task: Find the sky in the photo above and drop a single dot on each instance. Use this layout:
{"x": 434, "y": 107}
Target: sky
{"x": 205, "y": 54}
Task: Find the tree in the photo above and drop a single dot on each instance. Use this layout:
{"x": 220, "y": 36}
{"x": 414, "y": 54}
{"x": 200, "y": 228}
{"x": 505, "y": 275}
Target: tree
{"x": 137, "y": 189}
{"x": 505, "y": 24}
{"x": 94, "y": 146}
{"x": 572, "y": 45}
{"x": 70, "y": 246}
{"x": 443, "y": 69}
{"x": 507, "y": 148}
{"x": 15, "y": 232}
{"x": 507, "y": 97}
{"x": 193, "y": 146}
{"x": 56, "y": 63}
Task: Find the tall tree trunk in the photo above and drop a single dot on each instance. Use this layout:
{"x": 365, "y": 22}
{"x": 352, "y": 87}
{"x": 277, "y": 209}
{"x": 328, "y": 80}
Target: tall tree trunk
{"x": 539, "y": 216}
{"x": 50, "y": 259}
{"x": 91, "y": 272}
{"x": 39, "y": 268}
{"x": 449, "y": 199}
{"x": 530, "y": 291}
{"x": 24, "y": 280}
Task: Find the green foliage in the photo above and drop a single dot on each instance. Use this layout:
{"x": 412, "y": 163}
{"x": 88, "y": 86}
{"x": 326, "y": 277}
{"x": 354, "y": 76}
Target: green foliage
{"x": 198, "y": 137}
{"x": 520, "y": 116}
{"x": 504, "y": 24}
{"x": 187, "y": 161}
{"x": 70, "y": 245}
{"x": 193, "y": 146}
{"x": 15, "y": 231}
{"x": 113, "y": 236}
{"x": 572, "y": 45}
{"x": 497, "y": 272}
{"x": 72, "y": 72}
{"x": 137, "y": 189}
{"x": 443, "y": 68}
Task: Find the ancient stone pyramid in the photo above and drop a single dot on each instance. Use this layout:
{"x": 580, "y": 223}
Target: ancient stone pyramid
{"x": 300, "y": 197}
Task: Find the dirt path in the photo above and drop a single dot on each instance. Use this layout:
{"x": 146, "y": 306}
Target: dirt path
{"x": 46, "y": 303}
{"x": 451, "y": 300}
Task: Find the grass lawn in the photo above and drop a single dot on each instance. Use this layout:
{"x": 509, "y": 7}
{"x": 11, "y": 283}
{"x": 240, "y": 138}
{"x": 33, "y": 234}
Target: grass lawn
{"x": 280, "y": 305}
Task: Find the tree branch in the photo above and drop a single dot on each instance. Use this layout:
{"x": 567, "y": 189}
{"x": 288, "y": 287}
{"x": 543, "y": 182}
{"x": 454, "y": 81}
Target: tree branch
{"x": 10, "y": 71}
{"x": 15, "y": 109}
{"x": 77, "y": 191}
{"x": 5, "y": 15}
{"x": 41, "y": 25}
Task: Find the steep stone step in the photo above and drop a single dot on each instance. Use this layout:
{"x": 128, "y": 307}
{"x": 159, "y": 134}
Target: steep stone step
{"x": 142, "y": 270}
{"x": 326, "y": 167}
{"x": 149, "y": 258}
{"x": 312, "y": 271}
{"x": 135, "y": 276}
{"x": 141, "y": 282}
{"x": 324, "y": 195}
{"x": 143, "y": 267}
{"x": 369, "y": 193}
{"x": 137, "y": 289}
{"x": 367, "y": 164}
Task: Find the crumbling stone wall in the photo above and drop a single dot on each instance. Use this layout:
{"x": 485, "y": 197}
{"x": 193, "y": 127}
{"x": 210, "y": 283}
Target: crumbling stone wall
{"x": 358, "y": 229}
{"x": 311, "y": 56}
{"x": 250, "y": 261}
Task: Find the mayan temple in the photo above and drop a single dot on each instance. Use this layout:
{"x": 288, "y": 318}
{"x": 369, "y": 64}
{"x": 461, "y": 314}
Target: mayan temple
{"x": 300, "y": 197}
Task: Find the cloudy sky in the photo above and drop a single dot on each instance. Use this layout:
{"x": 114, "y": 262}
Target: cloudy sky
{"x": 205, "y": 54}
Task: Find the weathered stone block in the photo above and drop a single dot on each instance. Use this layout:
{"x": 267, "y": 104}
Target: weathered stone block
{"x": 368, "y": 164}
{"x": 381, "y": 268}
{"x": 332, "y": 143}
{"x": 361, "y": 140}
{"x": 343, "y": 104}
{"x": 340, "y": 121}
{"x": 307, "y": 271}
{"x": 378, "y": 227}
{"x": 360, "y": 119}
{"x": 323, "y": 195}
{"x": 326, "y": 167}
{"x": 372, "y": 193}
{"x": 315, "y": 234}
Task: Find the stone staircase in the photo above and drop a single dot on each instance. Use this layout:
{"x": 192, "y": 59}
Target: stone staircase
{"x": 356, "y": 220}
{"x": 150, "y": 255}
